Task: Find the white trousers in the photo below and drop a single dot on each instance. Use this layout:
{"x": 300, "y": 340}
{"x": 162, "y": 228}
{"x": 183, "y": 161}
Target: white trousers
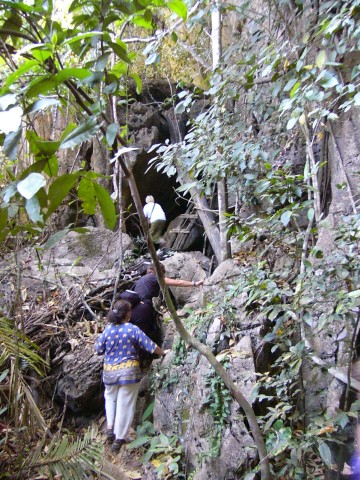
{"x": 120, "y": 403}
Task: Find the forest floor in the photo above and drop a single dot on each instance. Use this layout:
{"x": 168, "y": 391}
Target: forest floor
{"x": 125, "y": 465}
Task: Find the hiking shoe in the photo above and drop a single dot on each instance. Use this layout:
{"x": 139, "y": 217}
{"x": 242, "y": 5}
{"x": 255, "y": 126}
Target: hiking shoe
{"x": 118, "y": 443}
{"x": 110, "y": 436}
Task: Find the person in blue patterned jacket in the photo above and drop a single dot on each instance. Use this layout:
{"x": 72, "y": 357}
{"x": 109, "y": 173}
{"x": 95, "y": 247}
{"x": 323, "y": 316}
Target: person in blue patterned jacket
{"x": 121, "y": 342}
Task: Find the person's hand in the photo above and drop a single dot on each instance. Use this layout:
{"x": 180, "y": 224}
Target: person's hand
{"x": 166, "y": 351}
{"x": 198, "y": 284}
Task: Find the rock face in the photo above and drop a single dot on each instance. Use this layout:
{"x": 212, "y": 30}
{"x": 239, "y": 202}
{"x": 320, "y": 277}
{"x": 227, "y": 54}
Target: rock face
{"x": 334, "y": 343}
{"x": 77, "y": 259}
{"x": 185, "y": 406}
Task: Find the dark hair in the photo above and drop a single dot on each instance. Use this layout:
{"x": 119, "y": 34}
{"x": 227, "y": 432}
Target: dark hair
{"x": 119, "y": 312}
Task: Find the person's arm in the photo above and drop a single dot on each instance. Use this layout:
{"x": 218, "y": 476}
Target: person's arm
{"x": 176, "y": 282}
{"x": 160, "y": 351}
{"x": 100, "y": 345}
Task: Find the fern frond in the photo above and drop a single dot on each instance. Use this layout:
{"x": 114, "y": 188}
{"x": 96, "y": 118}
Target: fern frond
{"x": 15, "y": 344}
{"x": 72, "y": 459}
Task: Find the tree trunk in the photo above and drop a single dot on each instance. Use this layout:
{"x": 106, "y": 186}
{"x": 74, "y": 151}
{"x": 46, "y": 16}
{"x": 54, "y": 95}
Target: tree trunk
{"x": 216, "y": 27}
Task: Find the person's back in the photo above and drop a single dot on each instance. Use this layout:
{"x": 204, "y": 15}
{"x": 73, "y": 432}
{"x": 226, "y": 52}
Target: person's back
{"x": 142, "y": 312}
{"x": 154, "y": 212}
{"x": 147, "y": 287}
{"x": 157, "y": 219}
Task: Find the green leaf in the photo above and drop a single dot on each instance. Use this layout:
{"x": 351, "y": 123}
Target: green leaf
{"x": 41, "y": 105}
{"x": 285, "y": 217}
{"x": 120, "y": 50}
{"x": 41, "y": 86}
{"x": 54, "y": 239}
{"x": 138, "y": 82}
{"x": 83, "y": 132}
{"x": 19, "y": 72}
{"x": 178, "y": 7}
{"x": 310, "y": 214}
{"x": 30, "y": 185}
{"x": 139, "y": 441}
{"x": 144, "y": 21}
{"x": 33, "y": 209}
{"x": 111, "y": 133}
{"x": 325, "y": 453}
{"x": 291, "y": 123}
{"x": 40, "y": 147}
{"x": 153, "y": 58}
{"x": 106, "y": 205}
{"x": 354, "y": 294}
{"x": 52, "y": 167}
{"x": 148, "y": 411}
{"x": 41, "y": 55}
{"x": 35, "y": 167}
{"x": 78, "y": 73}
{"x": 59, "y": 189}
{"x": 11, "y": 144}
{"x": 10, "y": 120}
{"x": 81, "y": 36}
{"x": 321, "y": 59}
{"x": 3, "y": 218}
{"x": 295, "y": 89}
{"x": 86, "y": 192}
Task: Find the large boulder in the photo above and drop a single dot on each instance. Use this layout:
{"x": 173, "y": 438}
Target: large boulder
{"x": 76, "y": 261}
{"x": 192, "y": 266}
{"x": 78, "y": 375}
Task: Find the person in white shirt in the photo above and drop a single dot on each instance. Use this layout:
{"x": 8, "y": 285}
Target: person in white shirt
{"x": 156, "y": 218}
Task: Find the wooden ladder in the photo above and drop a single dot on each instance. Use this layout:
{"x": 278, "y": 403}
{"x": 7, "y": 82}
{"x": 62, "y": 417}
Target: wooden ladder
{"x": 180, "y": 234}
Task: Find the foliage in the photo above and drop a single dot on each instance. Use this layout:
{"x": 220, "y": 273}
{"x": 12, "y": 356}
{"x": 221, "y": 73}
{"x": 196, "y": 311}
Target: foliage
{"x": 218, "y": 402}
{"x": 72, "y": 459}
{"x": 280, "y": 84}
{"x": 165, "y": 453}
{"x": 326, "y": 295}
{"x": 49, "y": 65}
{"x": 15, "y": 345}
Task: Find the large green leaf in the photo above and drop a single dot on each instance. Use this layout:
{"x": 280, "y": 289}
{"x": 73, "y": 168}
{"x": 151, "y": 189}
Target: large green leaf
{"x": 106, "y": 205}
{"x": 10, "y": 120}
{"x": 41, "y": 86}
{"x": 79, "y": 73}
{"x": 81, "y": 36}
{"x": 59, "y": 189}
{"x": 11, "y": 144}
{"x": 31, "y": 184}
{"x": 18, "y": 74}
{"x": 83, "y": 132}
{"x": 86, "y": 193}
{"x": 35, "y": 167}
{"x": 7, "y": 100}
{"x": 111, "y": 133}
{"x": 38, "y": 146}
{"x": 120, "y": 50}
{"x": 32, "y": 207}
{"x": 138, "y": 82}
{"x": 178, "y": 7}
{"x": 41, "y": 105}
{"x": 52, "y": 166}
